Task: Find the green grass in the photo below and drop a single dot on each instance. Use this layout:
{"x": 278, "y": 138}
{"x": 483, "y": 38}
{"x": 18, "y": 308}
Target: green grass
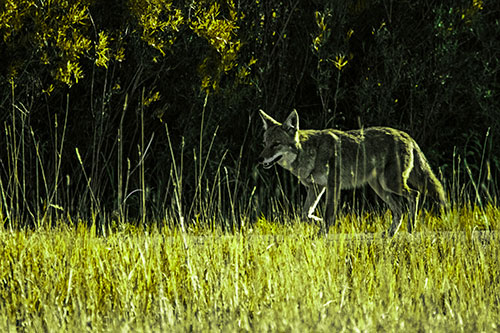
{"x": 269, "y": 276}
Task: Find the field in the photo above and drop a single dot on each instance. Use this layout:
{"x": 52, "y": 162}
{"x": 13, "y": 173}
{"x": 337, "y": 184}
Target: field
{"x": 131, "y": 199}
{"x": 268, "y": 276}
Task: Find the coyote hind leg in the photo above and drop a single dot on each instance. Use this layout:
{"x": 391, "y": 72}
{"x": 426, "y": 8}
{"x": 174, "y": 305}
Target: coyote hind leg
{"x": 413, "y": 199}
{"x": 394, "y": 205}
{"x": 393, "y": 196}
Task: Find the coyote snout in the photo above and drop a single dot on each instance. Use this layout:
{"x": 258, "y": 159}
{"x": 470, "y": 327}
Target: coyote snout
{"x": 269, "y": 161}
{"x": 386, "y": 159}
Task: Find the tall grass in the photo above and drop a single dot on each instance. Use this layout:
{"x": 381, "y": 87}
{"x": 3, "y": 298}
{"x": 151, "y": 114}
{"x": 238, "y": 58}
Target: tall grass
{"x": 219, "y": 197}
{"x": 270, "y": 277}
{"x": 207, "y": 263}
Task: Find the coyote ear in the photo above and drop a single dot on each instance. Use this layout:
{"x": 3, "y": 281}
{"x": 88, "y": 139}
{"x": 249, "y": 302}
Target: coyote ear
{"x": 267, "y": 120}
{"x": 292, "y": 121}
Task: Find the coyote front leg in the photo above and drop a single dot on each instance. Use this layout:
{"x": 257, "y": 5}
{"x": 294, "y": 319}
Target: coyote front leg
{"x": 311, "y": 202}
{"x": 332, "y": 199}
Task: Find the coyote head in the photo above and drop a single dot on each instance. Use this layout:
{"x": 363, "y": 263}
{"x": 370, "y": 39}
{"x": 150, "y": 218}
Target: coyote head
{"x": 280, "y": 140}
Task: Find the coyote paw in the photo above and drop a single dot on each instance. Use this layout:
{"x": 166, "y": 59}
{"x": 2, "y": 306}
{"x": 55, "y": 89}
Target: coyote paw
{"x": 314, "y": 218}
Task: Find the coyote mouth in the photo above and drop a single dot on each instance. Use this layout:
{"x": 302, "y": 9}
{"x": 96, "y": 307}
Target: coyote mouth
{"x": 268, "y": 163}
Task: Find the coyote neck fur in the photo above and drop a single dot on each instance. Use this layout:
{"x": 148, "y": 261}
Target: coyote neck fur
{"x": 307, "y": 166}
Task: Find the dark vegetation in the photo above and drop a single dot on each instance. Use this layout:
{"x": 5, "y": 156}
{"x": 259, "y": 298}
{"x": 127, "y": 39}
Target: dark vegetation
{"x": 115, "y": 110}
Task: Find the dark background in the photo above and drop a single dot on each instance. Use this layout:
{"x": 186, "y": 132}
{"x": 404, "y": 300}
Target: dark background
{"x": 85, "y": 136}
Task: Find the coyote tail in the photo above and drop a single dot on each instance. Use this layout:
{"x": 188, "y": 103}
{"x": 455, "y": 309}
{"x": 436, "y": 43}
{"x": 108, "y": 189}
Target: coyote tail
{"x": 431, "y": 184}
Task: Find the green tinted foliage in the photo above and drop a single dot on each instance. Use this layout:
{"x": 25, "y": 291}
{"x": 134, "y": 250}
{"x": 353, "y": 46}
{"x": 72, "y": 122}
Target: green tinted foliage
{"x": 113, "y": 73}
{"x": 221, "y": 34}
{"x": 159, "y": 21}
{"x": 55, "y": 32}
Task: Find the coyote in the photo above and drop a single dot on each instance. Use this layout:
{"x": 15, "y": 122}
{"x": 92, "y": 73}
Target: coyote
{"x": 387, "y": 159}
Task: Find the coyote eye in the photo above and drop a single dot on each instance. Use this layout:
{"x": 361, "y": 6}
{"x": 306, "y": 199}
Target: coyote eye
{"x": 275, "y": 145}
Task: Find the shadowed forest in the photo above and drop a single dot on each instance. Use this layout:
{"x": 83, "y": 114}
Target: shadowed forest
{"x": 127, "y": 110}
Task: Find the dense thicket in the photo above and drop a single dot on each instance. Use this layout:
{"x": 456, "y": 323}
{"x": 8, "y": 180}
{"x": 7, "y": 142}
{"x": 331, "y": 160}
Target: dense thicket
{"x": 88, "y": 88}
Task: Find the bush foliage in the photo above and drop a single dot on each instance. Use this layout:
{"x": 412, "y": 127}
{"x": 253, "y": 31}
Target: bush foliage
{"x": 90, "y": 90}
